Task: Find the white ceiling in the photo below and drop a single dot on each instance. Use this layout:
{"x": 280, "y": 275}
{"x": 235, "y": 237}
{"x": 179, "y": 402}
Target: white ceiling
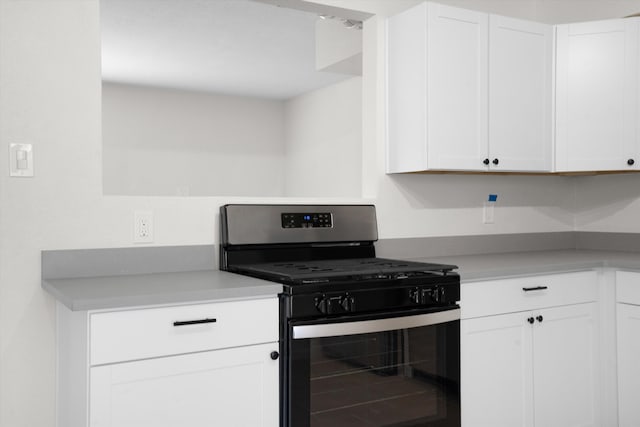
{"x": 237, "y": 47}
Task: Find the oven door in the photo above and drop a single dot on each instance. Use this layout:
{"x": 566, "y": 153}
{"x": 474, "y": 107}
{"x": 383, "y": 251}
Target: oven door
{"x": 384, "y": 370}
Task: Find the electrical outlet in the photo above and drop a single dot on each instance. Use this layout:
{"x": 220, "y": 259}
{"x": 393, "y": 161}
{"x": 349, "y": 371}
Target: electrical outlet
{"x": 142, "y": 227}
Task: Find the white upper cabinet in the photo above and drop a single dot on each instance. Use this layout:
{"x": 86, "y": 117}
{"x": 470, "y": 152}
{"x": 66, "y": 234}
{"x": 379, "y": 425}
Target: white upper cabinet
{"x": 437, "y": 92}
{"x": 456, "y": 97}
{"x": 596, "y": 96}
{"x": 467, "y": 91}
{"x": 520, "y": 101}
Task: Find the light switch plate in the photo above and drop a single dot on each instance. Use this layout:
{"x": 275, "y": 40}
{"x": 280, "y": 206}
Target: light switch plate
{"x": 20, "y": 160}
{"x": 487, "y": 213}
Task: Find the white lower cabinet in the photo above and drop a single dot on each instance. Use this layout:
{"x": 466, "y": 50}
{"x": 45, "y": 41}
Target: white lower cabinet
{"x": 565, "y": 367}
{"x": 196, "y": 365}
{"x": 628, "y": 365}
{"x": 496, "y": 369}
{"x": 232, "y": 387}
{"x": 628, "y": 323}
{"x": 536, "y": 367}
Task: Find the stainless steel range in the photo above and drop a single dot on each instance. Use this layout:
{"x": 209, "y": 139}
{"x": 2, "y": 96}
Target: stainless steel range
{"x": 365, "y": 341}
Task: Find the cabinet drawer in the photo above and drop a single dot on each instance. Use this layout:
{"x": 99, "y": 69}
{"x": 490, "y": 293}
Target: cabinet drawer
{"x": 527, "y": 293}
{"x": 144, "y": 333}
{"x": 628, "y": 287}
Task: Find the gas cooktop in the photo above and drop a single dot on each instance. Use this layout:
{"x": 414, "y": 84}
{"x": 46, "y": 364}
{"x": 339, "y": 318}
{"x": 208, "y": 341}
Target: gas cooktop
{"x": 333, "y": 270}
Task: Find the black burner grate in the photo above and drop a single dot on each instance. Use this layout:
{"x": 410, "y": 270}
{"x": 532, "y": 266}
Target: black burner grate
{"x": 338, "y": 269}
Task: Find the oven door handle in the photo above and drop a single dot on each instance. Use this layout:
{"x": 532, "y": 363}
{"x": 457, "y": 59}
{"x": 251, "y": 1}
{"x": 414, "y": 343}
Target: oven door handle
{"x": 376, "y": 325}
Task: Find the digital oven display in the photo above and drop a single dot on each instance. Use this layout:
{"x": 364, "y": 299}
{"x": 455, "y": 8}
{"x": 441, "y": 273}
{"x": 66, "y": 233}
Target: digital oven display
{"x": 307, "y": 220}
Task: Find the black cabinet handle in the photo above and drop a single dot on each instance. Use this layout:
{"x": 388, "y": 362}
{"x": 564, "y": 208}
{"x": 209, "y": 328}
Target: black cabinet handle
{"x": 535, "y": 288}
{"x": 485, "y": 161}
{"x": 274, "y": 355}
{"x": 631, "y": 162}
{"x": 539, "y": 318}
{"x": 194, "y": 322}
{"x": 530, "y": 320}
{"x": 496, "y": 161}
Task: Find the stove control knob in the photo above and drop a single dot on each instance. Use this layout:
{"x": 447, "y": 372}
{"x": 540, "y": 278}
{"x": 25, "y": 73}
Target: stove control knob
{"x": 414, "y": 296}
{"x": 322, "y": 304}
{"x": 426, "y": 296}
{"x": 430, "y": 296}
{"x": 348, "y": 303}
{"x": 335, "y": 304}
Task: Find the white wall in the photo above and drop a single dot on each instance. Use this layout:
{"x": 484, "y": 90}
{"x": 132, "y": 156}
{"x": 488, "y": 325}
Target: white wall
{"x": 49, "y": 86}
{"x": 440, "y": 205}
{"x": 608, "y": 203}
{"x": 323, "y": 132}
{"x": 50, "y": 96}
{"x": 164, "y": 142}
{"x": 565, "y": 11}
{"x": 338, "y": 48}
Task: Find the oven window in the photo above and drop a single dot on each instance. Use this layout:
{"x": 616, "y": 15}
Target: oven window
{"x": 407, "y": 377}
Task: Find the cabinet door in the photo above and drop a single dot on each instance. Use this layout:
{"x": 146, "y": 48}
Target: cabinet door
{"x": 407, "y": 90}
{"x": 233, "y": 387}
{"x": 637, "y": 106}
{"x": 496, "y": 371}
{"x": 628, "y": 365}
{"x": 565, "y": 360}
{"x": 457, "y": 89}
{"x": 520, "y": 72}
{"x": 596, "y": 89}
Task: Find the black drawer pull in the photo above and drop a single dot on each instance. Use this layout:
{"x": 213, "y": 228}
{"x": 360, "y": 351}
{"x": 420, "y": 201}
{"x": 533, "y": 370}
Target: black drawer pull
{"x": 194, "y": 322}
{"x": 535, "y": 288}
